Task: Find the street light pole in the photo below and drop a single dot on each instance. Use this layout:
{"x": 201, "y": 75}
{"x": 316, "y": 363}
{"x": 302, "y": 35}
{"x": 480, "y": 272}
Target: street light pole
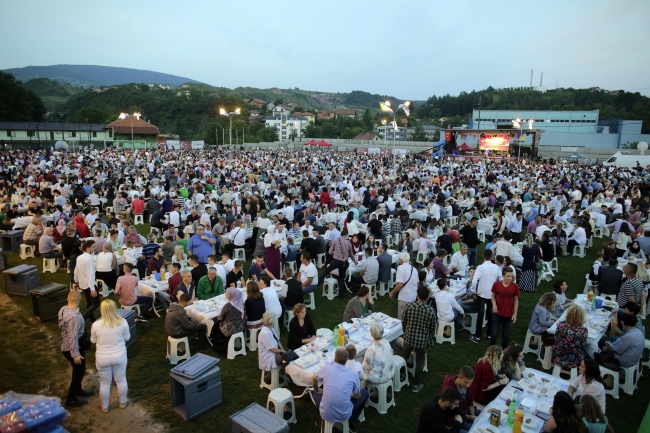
{"x": 386, "y": 108}
{"x": 229, "y": 115}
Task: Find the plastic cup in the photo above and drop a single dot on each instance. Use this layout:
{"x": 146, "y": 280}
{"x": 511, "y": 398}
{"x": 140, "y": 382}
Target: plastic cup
{"x": 157, "y": 276}
{"x": 599, "y": 303}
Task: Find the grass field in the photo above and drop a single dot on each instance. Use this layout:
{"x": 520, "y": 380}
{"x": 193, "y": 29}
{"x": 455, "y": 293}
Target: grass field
{"x": 33, "y": 363}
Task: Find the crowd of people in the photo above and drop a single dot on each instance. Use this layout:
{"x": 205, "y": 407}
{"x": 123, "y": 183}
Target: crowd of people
{"x": 290, "y": 208}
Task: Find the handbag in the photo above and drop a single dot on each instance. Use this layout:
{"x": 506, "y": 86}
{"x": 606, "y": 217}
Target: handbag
{"x": 538, "y": 266}
{"x": 84, "y": 342}
{"x": 607, "y": 360}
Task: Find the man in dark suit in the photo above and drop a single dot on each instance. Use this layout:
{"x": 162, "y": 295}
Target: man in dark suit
{"x": 385, "y": 263}
{"x": 610, "y": 278}
{"x": 376, "y": 227}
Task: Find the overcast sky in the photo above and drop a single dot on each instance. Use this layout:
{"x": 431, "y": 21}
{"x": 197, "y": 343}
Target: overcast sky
{"x": 407, "y": 49}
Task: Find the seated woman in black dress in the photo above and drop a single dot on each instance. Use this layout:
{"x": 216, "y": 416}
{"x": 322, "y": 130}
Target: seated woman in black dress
{"x": 301, "y": 328}
{"x": 254, "y": 306}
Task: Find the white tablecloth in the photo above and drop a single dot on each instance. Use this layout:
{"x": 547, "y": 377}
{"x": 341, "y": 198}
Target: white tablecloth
{"x": 22, "y": 222}
{"x": 150, "y": 287}
{"x": 418, "y": 215}
{"x": 457, "y": 287}
{"x": 302, "y": 376}
{"x": 485, "y": 224}
{"x": 534, "y": 396}
{"x": 596, "y": 324}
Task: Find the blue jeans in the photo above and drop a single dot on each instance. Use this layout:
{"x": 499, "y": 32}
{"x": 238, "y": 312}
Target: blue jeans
{"x": 308, "y": 289}
{"x": 146, "y": 303}
{"x": 357, "y": 405}
{"x": 471, "y": 256}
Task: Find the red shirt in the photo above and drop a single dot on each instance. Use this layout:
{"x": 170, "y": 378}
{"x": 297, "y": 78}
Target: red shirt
{"x": 173, "y": 282}
{"x": 324, "y": 197}
{"x": 138, "y": 206}
{"x": 450, "y": 382}
{"x": 505, "y": 298}
{"x": 483, "y": 377}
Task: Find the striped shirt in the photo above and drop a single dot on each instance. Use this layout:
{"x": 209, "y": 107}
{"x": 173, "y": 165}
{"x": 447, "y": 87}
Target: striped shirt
{"x": 341, "y": 249}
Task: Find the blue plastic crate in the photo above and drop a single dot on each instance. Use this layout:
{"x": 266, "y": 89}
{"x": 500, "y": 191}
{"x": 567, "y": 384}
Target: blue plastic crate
{"x": 42, "y": 416}
{"x": 8, "y": 404}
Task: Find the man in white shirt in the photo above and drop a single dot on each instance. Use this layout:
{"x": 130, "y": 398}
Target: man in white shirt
{"x": 447, "y": 307}
{"x": 84, "y": 278}
{"x": 237, "y": 239}
{"x": 288, "y": 213}
{"x": 307, "y": 274}
{"x": 271, "y": 299}
{"x": 227, "y": 262}
{"x": 579, "y": 237}
{"x": 175, "y": 218}
{"x": 205, "y": 218}
{"x": 407, "y": 284}
{"x": 504, "y": 247}
{"x": 487, "y": 273}
{"x": 514, "y": 226}
{"x": 460, "y": 260}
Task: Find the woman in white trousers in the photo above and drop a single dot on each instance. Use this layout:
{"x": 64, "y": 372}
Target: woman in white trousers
{"x": 109, "y": 335}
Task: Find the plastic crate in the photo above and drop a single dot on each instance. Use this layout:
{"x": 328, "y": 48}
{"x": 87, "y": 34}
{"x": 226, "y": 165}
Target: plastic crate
{"x": 256, "y": 419}
{"x": 196, "y": 366}
{"x": 47, "y": 300}
{"x": 8, "y": 404}
{"x": 21, "y": 280}
{"x": 192, "y": 397}
{"x": 129, "y": 316}
{"x": 42, "y": 416}
{"x": 11, "y": 241}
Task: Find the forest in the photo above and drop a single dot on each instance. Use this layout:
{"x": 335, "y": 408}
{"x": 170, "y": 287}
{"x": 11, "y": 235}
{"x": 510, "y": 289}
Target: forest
{"x": 623, "y": 105}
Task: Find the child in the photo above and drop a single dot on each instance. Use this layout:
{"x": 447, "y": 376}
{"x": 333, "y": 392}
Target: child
{"x": 168, "y": 248}
{"x": 353, "y": 365}
{"x": 593, "y": 274}
{"x": 468, "y": 300}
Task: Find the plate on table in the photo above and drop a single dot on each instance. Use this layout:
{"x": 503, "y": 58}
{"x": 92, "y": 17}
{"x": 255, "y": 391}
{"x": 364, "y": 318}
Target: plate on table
{"x": 544, "y": 406}
{"x": 508, "y": 394}
{"x": 610, "y": 304}
{"x": 528, "y": 402}
{"x": 531, "y": 377}
{"x": 531, "y": 423}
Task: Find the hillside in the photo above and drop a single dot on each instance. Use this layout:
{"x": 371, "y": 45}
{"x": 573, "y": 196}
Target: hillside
{"x": 52, "y": 93}
{"x": 93, "y": 75}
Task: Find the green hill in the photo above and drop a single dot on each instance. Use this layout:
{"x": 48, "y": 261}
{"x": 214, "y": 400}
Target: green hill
{"x": 52, "y": 93}
{"x": 94, "y": 75}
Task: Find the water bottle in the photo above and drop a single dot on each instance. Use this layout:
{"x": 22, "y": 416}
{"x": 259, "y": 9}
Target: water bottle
{"x": 336, "y": 337}
{"x": 361, "y": 325}
{"x": 347, "y": 338}
{"x": 511, "y": 413}
{"x": 467, "y": 272}
{"x": 239, "y": 284}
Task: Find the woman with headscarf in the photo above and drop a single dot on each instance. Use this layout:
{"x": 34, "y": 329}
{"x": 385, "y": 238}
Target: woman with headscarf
{"x": 532, "y": 254}
{"x": 272, "y": 243}
{"x": 59, "y": 230}
{"x": 230, "y": 321}
{"x": 357, "y": 247}
{"x": 82, "y": 228}
{"x": 634, "y": 251}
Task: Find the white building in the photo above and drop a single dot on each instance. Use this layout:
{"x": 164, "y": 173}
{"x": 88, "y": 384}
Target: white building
{"x": 288, "y": 126}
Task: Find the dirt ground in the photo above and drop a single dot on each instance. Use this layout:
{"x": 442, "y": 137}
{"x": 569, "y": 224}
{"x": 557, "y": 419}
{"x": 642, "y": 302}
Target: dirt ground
{"x": 88, "y": 418}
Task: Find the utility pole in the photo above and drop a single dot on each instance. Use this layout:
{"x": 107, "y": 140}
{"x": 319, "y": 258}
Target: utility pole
{"x": 479, "y": 113}
{"x": 531, "y": 78}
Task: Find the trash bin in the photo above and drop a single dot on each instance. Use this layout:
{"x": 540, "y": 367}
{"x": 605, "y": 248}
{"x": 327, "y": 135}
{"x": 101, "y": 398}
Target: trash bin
{"x": 197, "y": 390}
{"x": 21, "y": 279}
{"x": 47, "y": 300}
{"x": 129, "y": 316}
{"x": 11, "y": 241}
{"x": 256, "y": 419}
